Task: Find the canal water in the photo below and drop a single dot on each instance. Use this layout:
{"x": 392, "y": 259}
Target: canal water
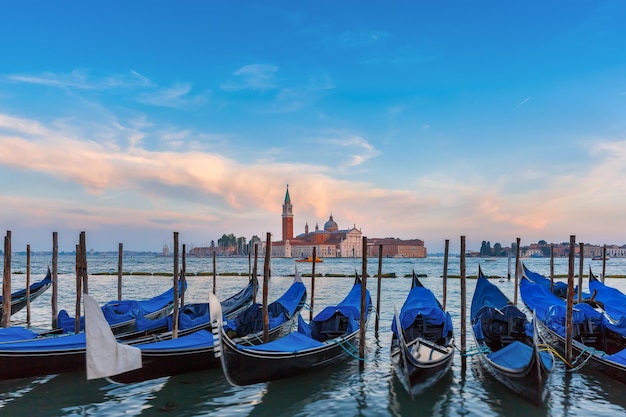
{"x": 342, "y": 390}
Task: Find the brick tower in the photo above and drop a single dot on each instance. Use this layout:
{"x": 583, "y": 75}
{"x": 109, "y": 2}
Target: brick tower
{"x": 287, "y": 217}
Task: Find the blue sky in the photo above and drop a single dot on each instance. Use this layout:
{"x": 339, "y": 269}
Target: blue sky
{"x": 429, "y": 120}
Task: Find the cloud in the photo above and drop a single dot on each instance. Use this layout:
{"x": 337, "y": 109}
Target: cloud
{"x": 80, "y": 79}
{"x": 259, "y": 77}
{"x": 521, "y": 103}
{"x": 202, "y": 192}
{"x": 176, "y": 96}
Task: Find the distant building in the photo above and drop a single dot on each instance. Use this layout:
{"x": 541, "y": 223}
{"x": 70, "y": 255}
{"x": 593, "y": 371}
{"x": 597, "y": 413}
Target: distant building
{"x": 397, "y": 248}
{"x": 332, "y": 242}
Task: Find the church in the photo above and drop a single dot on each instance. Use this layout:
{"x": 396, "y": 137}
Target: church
{"x": 329, "y": 242}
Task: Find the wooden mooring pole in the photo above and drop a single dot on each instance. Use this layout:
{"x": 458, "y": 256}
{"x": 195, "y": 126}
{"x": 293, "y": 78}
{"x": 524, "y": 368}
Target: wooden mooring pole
{"x": 446, "y": 252}
{"x": 255, "y": 273}
{"x": 363, "y": 324}
{"x": 175, "y": 279}
{"x": 380, "y": 276}
{"x": 120, "y": 255}
{"x": 183, "y": 275}
{"x": 312, "y": 284}
{"x": 517, "y": 270}
{"x": 463, "y": 306}
{"x": 6, "y": 282}
{"x": 55, "y": 280}
{"x": 551, "y": 267}
{"x": 581, "y": 247}
{"x": 266, "y": 281}
{"x": 570, "y": 302}
{"x": 214, "y": 275}
{"x": 603, "y": 262}
{"x": 28, "y": 285}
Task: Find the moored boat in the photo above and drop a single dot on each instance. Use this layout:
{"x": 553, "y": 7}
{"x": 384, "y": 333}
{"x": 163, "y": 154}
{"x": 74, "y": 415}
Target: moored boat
{"x": 47, "y": 354}
{"x": 19, "y": 299}
{"x": 196, "y": 351}
{"x": 310, "y": 259}
{"x": 597, "y": 341}
{"x": 329, "y": 338}
{"x": 508, "y": 344}
{"x": 422, "y": 343}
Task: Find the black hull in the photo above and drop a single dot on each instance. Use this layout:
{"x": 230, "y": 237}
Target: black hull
{"x": 247, "y": 367}
{"x": 19, "y": 303}
{"x": 30, "y": 364}
{"x": 157, "y": 364}
{"x": 417, "y": 376}
{"x": 613, "y": 370}
{"x": 529, "y": 383}
{"x": 160, "y": 364}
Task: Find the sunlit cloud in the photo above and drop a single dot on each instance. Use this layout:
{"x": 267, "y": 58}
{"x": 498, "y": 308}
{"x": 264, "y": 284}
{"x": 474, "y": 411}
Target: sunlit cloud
{"x": 193, "y": 190}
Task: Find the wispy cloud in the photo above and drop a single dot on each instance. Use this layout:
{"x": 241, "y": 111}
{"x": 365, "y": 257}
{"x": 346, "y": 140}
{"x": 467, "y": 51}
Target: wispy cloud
{"x": 259, "y": 77}
{"x": 82, "y": 80}
{"x": 176, "y": 96}
{"x": 521, "y": 103}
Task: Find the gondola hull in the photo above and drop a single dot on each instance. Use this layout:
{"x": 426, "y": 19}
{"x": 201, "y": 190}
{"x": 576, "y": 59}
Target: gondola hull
{"x": 246, "y": 367}
{"x": 611, "y": 369}
{"x": 21, "y": 364}
{"x": 19, "y": 299}
{"x": 159, "y": 363}
{"x": 528, "y": 382}
{"x": 508, "y": 344}
{"x": 415, "y": 373}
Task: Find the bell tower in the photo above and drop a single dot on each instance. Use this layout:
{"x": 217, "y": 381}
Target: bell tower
{"x": 287, "y": 217}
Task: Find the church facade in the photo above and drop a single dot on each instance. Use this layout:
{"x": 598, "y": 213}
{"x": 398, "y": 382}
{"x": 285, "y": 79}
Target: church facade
{"x": 329, "y": 242}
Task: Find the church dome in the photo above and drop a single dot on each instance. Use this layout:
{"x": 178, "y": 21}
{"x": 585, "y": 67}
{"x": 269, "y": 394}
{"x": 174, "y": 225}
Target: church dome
{"x": 330, "y": 225}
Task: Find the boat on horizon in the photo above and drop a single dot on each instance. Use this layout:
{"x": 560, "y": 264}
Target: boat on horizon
{"x": 309, "y": 259}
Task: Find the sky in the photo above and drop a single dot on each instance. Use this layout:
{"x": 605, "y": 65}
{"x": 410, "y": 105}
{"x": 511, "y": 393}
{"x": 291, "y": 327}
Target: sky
{"x": 417, "y": 120}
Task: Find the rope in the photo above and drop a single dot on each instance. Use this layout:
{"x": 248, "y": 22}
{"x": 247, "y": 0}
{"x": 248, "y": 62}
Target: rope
{"x": 476, "y": 350}
{"x": 351, "y": 353}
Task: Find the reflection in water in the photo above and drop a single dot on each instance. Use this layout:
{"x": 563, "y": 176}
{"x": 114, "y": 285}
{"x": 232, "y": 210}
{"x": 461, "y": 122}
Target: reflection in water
{"x": 434, "y": 402}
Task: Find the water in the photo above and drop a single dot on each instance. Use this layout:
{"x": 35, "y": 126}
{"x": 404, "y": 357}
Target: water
{"x": 340, "y": 391}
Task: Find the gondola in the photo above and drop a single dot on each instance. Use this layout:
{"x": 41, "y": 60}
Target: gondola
{"x": 610, "y": 299}
{"x": 196, "y": 351}
{"x": 191, "y": 318}
{"x": 508, "y": 344}
{"x": 47, "y": 354}
{"x": 122, "y": 314}
{"x": 422, "y": 343}
{"x": 18, "y": 298}
{"x": 331, "y": 337}
{"x": 597, "y": 341}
